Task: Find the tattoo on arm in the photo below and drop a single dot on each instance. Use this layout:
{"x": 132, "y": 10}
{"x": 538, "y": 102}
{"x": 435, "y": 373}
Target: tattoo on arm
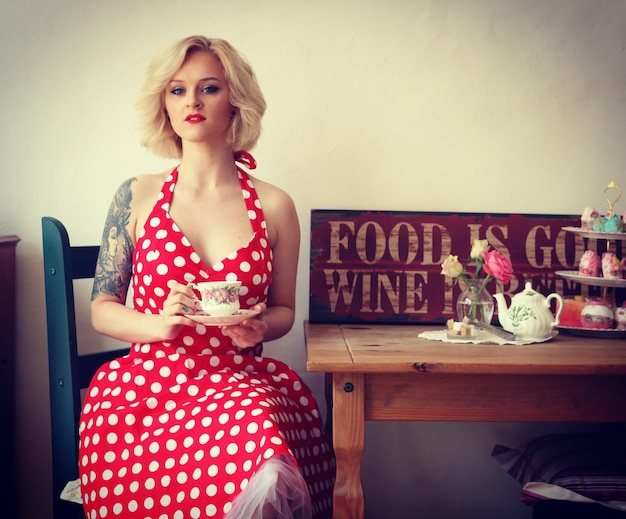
{"x": 114, "y": 266}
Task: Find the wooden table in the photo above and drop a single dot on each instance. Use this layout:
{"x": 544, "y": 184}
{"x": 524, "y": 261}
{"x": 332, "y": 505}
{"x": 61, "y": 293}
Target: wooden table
{"x": 386, "y": 372}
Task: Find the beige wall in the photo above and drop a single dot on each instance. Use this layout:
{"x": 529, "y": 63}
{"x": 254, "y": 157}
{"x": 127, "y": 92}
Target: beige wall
{"x": 439, "y": 105}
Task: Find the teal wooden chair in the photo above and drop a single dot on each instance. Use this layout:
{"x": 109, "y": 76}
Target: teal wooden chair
{"x": 69, "y": 371}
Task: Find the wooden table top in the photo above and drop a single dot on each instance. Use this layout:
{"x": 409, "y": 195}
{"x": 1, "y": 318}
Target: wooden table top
{"x": 378, "y": 348}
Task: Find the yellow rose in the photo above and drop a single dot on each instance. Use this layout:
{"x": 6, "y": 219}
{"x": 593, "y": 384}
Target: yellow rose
{"x": 478, "y": 247}
{"x": 451, "y": 266}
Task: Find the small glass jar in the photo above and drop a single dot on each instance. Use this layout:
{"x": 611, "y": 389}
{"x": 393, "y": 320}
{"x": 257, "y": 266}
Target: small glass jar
{"x": 475, "y": 302}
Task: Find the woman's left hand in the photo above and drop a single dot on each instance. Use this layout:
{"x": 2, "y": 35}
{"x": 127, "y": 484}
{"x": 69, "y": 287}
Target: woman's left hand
{"x": 250, "y": 332}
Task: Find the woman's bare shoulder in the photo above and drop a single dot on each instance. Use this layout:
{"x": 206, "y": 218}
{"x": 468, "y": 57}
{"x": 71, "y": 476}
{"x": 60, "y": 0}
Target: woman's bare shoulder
{"x": 272, "y": 197}
{"x": 279, "y": 210}
{"x": 138, "y": 194}
{"x": 141, "y": 189}
{"x": 148, "y": 183}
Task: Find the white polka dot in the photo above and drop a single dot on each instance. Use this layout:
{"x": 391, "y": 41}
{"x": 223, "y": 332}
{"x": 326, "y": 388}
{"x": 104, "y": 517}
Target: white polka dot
{"x": 232, "y": 448}
{"x": 153, "y": 255}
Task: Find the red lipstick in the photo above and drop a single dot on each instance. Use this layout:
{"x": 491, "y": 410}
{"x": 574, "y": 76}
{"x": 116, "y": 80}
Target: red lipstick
{"x": 194, "y": 118}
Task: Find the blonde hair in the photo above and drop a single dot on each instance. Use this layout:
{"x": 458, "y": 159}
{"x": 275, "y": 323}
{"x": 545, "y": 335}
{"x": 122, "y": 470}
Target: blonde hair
{"x": 245, "y": 96}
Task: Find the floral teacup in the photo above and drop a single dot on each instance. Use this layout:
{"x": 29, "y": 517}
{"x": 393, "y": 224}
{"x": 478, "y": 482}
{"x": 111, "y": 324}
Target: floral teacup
{"x": 218, "y": 298}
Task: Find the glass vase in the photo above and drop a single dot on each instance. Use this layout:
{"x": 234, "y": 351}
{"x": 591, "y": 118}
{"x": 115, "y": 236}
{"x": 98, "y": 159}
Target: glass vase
{"x": 475, "y": 302}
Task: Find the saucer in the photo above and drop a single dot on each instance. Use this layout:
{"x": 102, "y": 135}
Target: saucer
{"x": 222, "y": 320}
{"x": 533, "y": 340}
{"x": 459, "y": 337}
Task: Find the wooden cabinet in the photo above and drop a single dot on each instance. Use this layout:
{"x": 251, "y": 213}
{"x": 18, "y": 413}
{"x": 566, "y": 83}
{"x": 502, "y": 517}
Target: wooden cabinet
{"x": 7, "y": 374}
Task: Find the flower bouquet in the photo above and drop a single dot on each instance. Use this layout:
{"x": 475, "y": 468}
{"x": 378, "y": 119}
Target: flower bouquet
{"x": 474, "y": 301}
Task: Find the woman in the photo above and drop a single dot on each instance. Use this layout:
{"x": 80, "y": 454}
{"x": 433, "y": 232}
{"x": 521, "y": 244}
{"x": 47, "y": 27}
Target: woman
{"x": 194, "y": 422}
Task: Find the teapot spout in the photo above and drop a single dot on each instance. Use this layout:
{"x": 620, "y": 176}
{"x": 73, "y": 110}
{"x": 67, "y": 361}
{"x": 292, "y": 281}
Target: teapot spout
{"x": 502, "y": 308}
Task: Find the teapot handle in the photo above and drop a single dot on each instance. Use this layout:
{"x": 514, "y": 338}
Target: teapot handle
{"x": 559, "y": 307}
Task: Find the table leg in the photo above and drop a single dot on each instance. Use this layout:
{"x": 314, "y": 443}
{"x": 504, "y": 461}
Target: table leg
{"x": 348, "y": 443}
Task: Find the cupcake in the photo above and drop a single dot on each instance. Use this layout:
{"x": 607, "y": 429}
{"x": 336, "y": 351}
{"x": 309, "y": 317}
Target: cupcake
{"x": 588, "y": 217}
{"x": 597, "y": 314}
{"x": 608, "y": 224}
{"x": 590, "y": 264}
{"x": 611, "y": 268}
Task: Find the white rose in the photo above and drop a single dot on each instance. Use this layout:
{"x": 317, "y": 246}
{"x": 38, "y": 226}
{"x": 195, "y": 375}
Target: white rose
{"x": 478, "y": 247}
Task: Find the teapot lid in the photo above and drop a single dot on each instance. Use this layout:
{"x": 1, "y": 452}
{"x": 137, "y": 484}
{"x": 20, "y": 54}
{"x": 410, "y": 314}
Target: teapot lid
{"x": 528, "y": 294}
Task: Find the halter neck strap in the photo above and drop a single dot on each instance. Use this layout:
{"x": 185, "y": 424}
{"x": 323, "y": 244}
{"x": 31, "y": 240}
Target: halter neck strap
{"x": 243, "y": 157}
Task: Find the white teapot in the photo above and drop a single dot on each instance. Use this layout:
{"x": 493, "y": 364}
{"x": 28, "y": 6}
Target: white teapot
{"x": 529, "y": 316}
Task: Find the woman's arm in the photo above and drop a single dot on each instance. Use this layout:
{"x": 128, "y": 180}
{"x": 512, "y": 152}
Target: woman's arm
{"x": 284, "y": 233}
{"x": 114, "y": 265}
{"x": 109, "y": 313}
{"x": 281, "y": 301}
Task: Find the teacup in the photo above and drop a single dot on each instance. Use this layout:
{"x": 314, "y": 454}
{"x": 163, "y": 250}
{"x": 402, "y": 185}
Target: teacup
{"x": 218, "y": 298}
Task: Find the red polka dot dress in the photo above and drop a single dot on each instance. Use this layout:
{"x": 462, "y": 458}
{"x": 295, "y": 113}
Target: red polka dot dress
{"x": 185, "y": 429}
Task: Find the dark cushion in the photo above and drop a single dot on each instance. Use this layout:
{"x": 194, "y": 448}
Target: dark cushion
{"x": 584, "y": 468}
{"x": 570, "y": 510}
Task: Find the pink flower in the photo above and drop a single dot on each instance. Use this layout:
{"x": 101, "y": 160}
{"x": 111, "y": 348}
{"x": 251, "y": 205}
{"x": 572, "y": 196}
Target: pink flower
{"x": 498, "y": 266}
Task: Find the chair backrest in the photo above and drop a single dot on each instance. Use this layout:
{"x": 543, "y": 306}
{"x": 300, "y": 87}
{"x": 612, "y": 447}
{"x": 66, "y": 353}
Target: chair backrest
{"x": 69, "y": 371}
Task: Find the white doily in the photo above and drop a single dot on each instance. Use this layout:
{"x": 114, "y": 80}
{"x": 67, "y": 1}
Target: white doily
{"x": 484, "y": 337}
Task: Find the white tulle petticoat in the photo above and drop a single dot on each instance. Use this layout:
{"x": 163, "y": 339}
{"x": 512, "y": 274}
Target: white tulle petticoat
{"x": 276, "y": 491}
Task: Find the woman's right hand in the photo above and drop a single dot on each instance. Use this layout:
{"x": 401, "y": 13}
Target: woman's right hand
{"x": 179, "y": 301}
{"x": 112, "y": 317}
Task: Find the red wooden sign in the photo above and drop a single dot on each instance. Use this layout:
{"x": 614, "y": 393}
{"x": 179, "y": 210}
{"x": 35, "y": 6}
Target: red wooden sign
{"x": 373, "y": 266}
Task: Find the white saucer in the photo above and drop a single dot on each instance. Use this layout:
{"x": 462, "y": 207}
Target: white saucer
{"x": 221, "y": 320}
{"x": 534, "y": 340}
